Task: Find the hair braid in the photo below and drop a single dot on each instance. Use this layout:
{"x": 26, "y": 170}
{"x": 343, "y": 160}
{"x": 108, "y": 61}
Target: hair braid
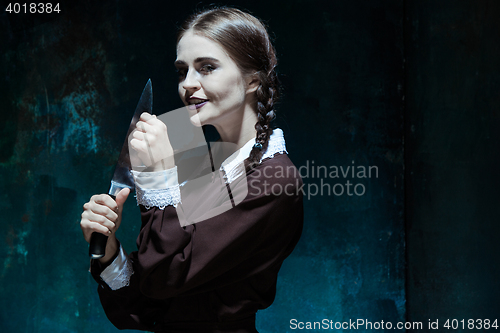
{"x": 267, "y": 96}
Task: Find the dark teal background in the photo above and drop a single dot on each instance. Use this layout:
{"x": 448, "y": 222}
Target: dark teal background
{"x": 452, "y": 159}
{"x": 411, "y": 87}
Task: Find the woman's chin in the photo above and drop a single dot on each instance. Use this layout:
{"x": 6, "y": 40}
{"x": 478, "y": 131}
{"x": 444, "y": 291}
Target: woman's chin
{"x": 194, "y": 116}
{"x": 195, "y": 120}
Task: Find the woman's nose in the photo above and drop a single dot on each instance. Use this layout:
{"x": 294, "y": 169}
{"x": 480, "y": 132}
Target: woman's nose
{"x": 191, "y": 82}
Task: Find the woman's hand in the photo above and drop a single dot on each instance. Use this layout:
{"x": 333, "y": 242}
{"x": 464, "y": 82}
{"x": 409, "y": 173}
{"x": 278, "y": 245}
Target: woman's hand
{"x": 151, "y": 145}
{"x": 103, "y": 214}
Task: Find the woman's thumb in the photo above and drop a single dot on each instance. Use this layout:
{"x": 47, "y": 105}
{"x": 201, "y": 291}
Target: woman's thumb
{"x": 122, "y": 196}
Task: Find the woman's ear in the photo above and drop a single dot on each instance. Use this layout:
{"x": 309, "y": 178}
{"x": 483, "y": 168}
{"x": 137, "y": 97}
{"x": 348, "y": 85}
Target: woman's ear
{"x": 253, "y": 83}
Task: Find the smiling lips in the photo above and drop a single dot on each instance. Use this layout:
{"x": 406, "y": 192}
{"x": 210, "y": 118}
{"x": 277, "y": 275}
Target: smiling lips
{"x": 196, "y": 102}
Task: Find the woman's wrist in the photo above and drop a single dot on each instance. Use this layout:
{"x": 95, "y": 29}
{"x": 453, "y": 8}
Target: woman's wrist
{"x": 165, "y": 164}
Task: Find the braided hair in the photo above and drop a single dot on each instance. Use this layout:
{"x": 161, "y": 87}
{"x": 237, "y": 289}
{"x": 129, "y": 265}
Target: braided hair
{"x": 245, "y": 39}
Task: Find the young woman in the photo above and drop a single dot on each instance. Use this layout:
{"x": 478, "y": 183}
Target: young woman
{"x": 213, "y": 273}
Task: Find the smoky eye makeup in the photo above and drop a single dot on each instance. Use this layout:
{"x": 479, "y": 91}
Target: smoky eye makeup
{"x": 204, "y": 65}
{"x": 207, "y": 68}
{"x": 181, "y": 68}
{"x": 181, "y": 72}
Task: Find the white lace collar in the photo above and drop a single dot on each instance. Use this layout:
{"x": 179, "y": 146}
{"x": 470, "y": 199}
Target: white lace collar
{"x": 234, "y": 167}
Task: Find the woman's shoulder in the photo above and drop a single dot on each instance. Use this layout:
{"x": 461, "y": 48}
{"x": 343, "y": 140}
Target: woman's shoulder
{"x": 277, "y": 169}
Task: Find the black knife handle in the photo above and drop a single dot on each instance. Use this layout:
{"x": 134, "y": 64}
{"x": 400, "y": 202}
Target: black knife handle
{"x": 97, "y": 246}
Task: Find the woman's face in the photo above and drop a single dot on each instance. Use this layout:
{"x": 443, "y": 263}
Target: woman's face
{"x": 210, "y": 82}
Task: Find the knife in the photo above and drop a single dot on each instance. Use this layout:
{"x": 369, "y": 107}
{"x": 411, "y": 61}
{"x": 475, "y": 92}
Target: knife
{"x": 122, "y": 177}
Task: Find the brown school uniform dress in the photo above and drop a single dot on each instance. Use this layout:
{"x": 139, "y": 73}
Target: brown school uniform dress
{"x": 212, "y": 275}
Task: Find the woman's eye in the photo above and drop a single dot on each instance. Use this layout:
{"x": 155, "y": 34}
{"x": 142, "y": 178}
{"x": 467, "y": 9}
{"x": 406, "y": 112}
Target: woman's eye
{"x": 181, "y": 72}
{"x": 207, "y": 68}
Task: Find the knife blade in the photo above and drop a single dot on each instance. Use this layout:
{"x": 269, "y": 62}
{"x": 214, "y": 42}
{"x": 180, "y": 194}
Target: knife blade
{"x": 122, "y": 177}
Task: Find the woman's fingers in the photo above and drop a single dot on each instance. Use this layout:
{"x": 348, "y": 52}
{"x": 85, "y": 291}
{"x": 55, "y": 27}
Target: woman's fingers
{"x": 104, "y": 206}
{"x": 140, "y": 146}
{"x": 89, "y": 225}
{"x": 145, "y": 127}
{"x": 150, "y": 144}
{"x": 106, "y": 200}
{"x": 101, "y": 214}
{"x": 98, "y": 221}
{"x": 138, "y": 135}
{"x": 88, "y": 228}
{"x": 122, "y": 196}
{"x": 147, "y": 117}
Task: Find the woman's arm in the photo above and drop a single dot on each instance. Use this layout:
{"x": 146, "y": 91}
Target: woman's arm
{"x": 258, "y": 233}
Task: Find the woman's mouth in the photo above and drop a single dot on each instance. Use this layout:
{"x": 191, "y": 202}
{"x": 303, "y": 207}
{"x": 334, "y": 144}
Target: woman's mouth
{"x": 196, "y": 103}
{"x": 199, "y": 105}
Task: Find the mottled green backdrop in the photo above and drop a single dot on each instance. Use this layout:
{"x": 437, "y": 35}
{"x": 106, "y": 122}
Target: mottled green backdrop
{"x": 410, "y": 88}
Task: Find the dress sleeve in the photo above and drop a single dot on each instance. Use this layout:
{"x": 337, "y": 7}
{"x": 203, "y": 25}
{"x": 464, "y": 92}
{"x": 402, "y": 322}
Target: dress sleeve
{"x": 125, "y": 306}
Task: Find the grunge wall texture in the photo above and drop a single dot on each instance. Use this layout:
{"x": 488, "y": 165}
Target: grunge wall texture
{"x": 410, "y": 87}
{"x": 452, "y": 154}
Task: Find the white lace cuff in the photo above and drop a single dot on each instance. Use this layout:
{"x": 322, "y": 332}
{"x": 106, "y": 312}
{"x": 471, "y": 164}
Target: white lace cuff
{"x": 117, "y": 274}
{"x": 157, "y": 189}
{"x": 158, "y": 198}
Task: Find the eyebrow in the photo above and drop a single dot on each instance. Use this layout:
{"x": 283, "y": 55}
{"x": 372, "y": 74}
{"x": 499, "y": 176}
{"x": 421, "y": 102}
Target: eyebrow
{"x": 199, "y": 59}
